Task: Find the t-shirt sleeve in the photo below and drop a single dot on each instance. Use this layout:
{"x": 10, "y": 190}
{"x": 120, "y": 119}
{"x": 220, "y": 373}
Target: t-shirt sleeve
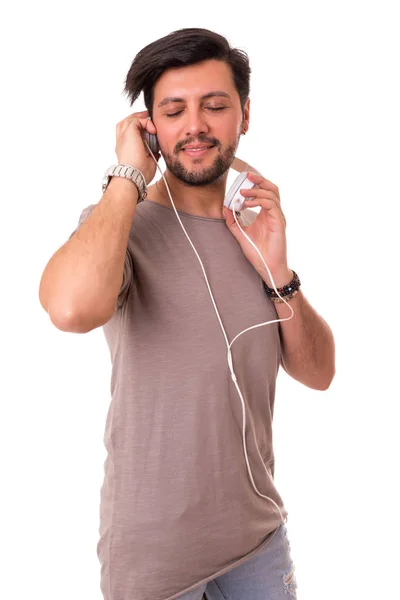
{"x": 127, "y": 281}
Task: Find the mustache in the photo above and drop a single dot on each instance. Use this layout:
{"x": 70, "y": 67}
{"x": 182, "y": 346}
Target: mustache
{"x": 199, "y": 139}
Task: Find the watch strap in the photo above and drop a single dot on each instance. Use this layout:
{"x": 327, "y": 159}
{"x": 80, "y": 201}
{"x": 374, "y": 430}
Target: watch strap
{"x": 130, "y": 172}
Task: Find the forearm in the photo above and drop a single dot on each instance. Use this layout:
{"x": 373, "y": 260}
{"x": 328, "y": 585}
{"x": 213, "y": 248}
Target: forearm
{"x": 307, "y": 342}
{"x": 83, "y": 278}
{"x": 308, "y": 346}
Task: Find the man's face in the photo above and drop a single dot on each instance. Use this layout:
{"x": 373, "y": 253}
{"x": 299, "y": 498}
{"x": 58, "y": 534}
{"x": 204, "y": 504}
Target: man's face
{"x": 198, "y": 106}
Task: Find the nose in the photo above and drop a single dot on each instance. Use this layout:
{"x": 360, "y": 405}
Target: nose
{"x": 196, "y": 123}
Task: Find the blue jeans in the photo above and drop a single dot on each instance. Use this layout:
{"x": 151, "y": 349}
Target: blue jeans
{"x": 268, "y": 575}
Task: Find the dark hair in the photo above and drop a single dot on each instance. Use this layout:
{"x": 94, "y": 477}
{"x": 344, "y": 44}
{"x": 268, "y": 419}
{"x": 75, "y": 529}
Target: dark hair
{"x": 182, "y": 48}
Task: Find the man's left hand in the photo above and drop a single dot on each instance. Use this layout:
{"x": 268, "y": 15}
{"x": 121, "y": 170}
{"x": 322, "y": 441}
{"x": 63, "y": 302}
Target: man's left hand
{"x": 267, "y": 231}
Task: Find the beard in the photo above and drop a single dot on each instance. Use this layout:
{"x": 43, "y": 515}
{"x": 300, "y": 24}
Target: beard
{"x": 208, "y": 175}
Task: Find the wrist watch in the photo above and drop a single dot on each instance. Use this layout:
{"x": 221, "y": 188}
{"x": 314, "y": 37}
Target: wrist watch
{"x": 129, "y": 172}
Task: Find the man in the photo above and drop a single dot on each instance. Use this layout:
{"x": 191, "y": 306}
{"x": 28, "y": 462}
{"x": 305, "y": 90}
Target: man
{"x": 180, "y": 514}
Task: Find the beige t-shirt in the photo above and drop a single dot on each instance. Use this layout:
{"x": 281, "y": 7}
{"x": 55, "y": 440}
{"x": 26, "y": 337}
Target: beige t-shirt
{"x": 177, "y": 505}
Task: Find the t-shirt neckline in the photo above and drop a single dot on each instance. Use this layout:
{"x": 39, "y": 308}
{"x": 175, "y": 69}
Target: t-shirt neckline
{"x": 185, "y": 214}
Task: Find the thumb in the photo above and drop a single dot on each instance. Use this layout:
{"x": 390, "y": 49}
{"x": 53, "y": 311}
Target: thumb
{"x": 230, "y": 220}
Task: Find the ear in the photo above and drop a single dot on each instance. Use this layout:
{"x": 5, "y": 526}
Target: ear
{"x": 246, "y": 116}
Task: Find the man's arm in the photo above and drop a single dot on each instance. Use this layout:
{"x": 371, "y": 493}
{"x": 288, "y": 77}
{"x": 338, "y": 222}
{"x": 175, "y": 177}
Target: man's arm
{"x": 80, "y": 283}
{"x": 308, "y": 345}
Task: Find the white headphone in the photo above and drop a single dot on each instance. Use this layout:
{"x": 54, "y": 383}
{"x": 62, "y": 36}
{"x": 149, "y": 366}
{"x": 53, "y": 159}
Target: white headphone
{"x": 234, "y": 201}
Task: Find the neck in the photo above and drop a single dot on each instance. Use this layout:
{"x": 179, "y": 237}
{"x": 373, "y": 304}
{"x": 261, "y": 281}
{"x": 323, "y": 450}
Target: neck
{"x": 202, "y": 201}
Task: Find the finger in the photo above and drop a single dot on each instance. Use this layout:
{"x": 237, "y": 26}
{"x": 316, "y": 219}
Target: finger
{"x": 269, "y": 204}
{"x": 151, "y": 128}
{"x": 139, "y": 123}
{"x": 264, "y": 183}
{"x": 141, "y": 114}
{"x": 260, "y": 193}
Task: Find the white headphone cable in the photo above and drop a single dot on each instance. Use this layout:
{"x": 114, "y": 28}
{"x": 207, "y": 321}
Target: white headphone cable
{"x": 229, "y": 356}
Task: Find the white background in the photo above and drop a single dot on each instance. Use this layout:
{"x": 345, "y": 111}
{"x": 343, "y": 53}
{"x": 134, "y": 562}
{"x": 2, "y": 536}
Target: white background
{"x": 325, "y": 128}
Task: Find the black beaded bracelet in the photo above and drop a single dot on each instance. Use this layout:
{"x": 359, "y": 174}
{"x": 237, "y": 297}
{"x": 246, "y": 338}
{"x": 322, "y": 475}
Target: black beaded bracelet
{"x": 288, "y": 290}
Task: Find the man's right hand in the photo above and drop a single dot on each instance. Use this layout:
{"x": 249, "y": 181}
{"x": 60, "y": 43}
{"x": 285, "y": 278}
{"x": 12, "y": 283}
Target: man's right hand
{"x": 130, "y": 147}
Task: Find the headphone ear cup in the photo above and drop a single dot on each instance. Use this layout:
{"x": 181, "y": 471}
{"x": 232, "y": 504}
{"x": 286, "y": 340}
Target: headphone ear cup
{"x": 234, "y": 199}
{"x": 152, "y": 141}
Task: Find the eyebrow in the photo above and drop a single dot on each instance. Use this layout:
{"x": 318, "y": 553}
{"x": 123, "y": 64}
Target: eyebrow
{"x": 209, "y": 95}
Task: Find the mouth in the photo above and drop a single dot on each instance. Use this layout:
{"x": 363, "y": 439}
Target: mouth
{"x": 197, "y": 150}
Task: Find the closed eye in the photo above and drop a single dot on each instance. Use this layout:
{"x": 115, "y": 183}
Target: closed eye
{"x": 209, "y": 108}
